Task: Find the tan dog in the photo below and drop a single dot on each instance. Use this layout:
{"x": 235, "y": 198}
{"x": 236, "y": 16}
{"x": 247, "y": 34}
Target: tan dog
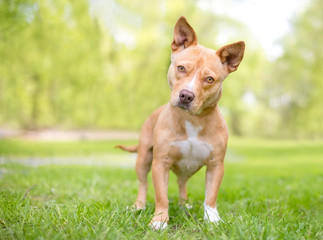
{"x": 189, "y": 132}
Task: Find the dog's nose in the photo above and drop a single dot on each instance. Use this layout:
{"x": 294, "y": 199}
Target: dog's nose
{"x": 186, "y": 96}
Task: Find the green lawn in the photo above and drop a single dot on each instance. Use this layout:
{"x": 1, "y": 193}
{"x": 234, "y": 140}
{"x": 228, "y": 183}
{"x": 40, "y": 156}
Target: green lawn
{"x": 271, "y": 190}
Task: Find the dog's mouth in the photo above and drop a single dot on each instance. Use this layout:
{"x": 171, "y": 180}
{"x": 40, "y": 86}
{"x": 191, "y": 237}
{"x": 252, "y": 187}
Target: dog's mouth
{"x": 186, "y": 107}
{"x": 183, "y": 106}
{"x": 190, "y": 108}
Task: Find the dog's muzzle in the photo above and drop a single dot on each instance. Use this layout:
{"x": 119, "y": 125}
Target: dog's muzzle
{"x": 185, "y": 98}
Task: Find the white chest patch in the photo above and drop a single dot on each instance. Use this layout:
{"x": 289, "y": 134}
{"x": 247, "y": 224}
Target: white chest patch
{"x": 194, "y": 151}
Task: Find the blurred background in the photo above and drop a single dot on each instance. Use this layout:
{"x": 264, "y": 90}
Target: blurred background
{"x": 79, "y": 77}
{"x": 102, "y": 64}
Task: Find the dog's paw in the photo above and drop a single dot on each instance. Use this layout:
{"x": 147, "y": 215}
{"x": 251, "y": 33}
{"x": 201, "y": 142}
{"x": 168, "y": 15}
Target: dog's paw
{"x": 188, "y": 205}
{"x": 158, "y": 225}
{"x": 138, "y": 206}
{"x": 211, "y": 214}
{"x": 185, "y": 205}
{"x": 134, "y": 208}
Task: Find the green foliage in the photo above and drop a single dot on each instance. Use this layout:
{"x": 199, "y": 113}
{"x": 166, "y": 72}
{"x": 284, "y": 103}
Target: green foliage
{"x": 294, "y": 85}
{"x": 271, "y": 190}
{"x": 50, "y": 64}
{"x": 66, "y": 67}
{"x": 103, "y": 64}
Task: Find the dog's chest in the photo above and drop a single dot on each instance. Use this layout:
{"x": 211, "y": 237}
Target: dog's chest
{"x": 194, "y": 152}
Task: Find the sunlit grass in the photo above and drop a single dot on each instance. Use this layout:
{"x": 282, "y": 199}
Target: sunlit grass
{"x": 271, "y": 190}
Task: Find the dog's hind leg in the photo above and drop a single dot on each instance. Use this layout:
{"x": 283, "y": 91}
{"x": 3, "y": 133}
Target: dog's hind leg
{"x": 182, "y": 182}
{"x": 182, "y": 186}
{"x": 143, "y": 166}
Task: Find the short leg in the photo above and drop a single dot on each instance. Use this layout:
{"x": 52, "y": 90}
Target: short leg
{"x": 183, "y": 200}
{"x": 182, "y": 181}
{"x": 143, "y": 165}
{"x": 214, "y": 175}
{"x": 160, "y": 175}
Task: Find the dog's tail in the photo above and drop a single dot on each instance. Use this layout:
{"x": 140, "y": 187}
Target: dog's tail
{"x": 131, "y": 149}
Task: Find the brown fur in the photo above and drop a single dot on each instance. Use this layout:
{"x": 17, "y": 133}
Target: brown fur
{"x": 167, "y": 124}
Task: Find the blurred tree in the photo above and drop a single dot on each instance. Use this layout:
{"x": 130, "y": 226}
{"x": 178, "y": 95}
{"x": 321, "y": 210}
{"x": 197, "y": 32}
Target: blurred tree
{"x": 294, "y": 85}
{"x": 51, "y": 58}
{"x": 68, "y": 64}
{"x": 103, "y": 64}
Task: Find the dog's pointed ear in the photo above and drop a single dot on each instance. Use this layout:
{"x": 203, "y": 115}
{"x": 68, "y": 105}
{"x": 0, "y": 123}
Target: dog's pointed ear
{"x": 184, "y": 35}
{"x": 231, "y": 55}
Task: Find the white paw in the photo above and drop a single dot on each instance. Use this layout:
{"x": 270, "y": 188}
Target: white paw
{"x": 188, "y": 206}
{"x": 139, "y": 208}
{"x": 134, "y": 208}
{"x": 158, "y": 225}
{"x": 211, "y": 214}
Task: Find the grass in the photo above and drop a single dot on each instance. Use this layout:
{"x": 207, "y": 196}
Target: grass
{"x": 271, "y": 190}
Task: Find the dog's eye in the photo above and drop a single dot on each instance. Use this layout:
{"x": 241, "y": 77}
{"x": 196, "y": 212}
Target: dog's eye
{"x": 181, "y": 68}
{"x": 210, "y": 79}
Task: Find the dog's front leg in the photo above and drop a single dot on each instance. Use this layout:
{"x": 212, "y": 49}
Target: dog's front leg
{"x": 214, "y": 175}
{"x": 160, "y": 173}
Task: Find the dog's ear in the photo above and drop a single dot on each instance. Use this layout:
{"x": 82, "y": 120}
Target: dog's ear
{"x": 184, "y": 35}
{"x": 231, "y": 55}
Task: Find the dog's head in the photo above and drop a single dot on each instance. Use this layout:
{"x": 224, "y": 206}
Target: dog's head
{"x": 196, "y": 73}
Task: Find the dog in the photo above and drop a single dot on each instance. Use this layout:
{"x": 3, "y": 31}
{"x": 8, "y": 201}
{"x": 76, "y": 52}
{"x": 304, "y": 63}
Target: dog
{"x": 188, "y": 132}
